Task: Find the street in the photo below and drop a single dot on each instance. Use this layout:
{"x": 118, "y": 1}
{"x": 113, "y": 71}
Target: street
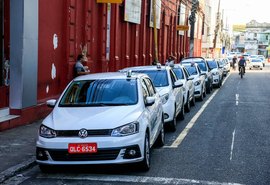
{"x": 224, "y": 139}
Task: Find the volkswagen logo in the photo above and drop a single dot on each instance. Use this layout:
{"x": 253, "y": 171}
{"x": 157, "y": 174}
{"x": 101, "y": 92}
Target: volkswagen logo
{"x": 83, "y": 133}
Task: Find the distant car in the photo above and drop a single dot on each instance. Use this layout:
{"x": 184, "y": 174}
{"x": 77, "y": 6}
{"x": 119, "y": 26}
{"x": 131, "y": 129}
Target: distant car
{"x": 204, "y": 69}
{"x": 188, "y": 85}
{"x": 216, "y": 71}
{"x": 103, "y": 118}
{"x": 199, "y": 79}
{"x": 256, "y": 63}
{"x": 225, "y": 65}
{"x": 169, "y": 88}
{"x": 263, "y": 59}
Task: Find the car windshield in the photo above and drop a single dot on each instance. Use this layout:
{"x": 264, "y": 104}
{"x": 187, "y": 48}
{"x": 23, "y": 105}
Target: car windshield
{"x": 158, "y": 77}
{"x": 212, "y": 64}
{"x": 105, "y": 92}
{"x": 256, "y": 60}
{"x": 192, "y": 70}
{"x": 179, "y": 73}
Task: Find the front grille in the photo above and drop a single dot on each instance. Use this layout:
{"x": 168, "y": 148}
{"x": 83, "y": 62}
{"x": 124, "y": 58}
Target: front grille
{"x": 74, "y": 133}
{"x": 102, "y": 154}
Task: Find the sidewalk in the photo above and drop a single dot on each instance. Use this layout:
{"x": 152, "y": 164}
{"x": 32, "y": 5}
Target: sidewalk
{"x": 17, "y": 149}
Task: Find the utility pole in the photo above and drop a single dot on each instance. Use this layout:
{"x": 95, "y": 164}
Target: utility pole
{"x": 155, "y": 32}
{"x": 192, "y": 20}
{"x": 217, "y": 27}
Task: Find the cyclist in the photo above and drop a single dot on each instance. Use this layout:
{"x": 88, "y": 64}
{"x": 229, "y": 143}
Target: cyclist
{"x": 242, "y": 63}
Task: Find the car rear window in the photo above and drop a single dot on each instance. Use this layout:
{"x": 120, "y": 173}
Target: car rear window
{"x": 106, "y": 92}
{"x": 202, "y": 66}
{"x": 158, "y": 77}
{"x": 192, "y": 70}
{"x": 212, "y": 64}
{"x": 179, "y": 73}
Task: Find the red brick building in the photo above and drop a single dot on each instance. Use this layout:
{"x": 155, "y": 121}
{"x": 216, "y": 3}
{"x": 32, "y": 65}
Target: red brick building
{"x": 43, "y": 37}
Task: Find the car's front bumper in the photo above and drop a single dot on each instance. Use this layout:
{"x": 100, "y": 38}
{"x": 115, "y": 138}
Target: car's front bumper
{"x": 110, "y": 150}
{"x": 216, "y": 79}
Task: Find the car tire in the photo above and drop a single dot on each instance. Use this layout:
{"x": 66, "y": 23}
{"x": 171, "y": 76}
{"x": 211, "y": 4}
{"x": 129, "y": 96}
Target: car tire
{"x": 201, "y": 97}
{"x": 161, "y": 137}
{"x": 187, "y": 105}
{"x": 172, "y": 124}
{"x": 145, "y": 164}
{"x": 193, "y": 101}
{"x": 209, "y": 88}
{"x": 181, "y": 115}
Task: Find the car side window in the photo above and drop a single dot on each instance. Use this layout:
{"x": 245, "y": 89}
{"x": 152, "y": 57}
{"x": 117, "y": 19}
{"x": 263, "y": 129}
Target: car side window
{"x": 186, "y": 74}
{"x": 173, "y": 77}
{"x": 150, "y": 87}
{"x": 144, "y": 91}
{"x": 199, "y": 70}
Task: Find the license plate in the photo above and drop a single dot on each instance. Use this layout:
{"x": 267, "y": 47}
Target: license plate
{"x": 78, "y": 148}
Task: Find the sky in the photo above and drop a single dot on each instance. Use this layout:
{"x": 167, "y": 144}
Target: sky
{"x": 243, "y": 11}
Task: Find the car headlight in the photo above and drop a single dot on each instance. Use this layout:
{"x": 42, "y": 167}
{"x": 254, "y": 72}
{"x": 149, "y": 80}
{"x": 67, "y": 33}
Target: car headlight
{"x": 125, "y": 130}
{"x": 197, "y": 83}
{"x": 164, "y": 98}
{"x": 215, "y": 73}
{"x": 46, "y": 132}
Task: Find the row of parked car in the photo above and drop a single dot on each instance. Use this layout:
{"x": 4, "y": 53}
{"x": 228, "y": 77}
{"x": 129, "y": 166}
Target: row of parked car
{"x": 117, "y": 117}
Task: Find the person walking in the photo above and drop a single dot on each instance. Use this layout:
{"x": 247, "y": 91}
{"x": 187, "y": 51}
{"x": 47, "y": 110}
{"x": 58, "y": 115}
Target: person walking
{"x": 234, "y": 60}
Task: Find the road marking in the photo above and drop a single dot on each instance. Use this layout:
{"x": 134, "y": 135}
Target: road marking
{"x": 232, "y": 145}
{"x": 184, "y": 133}
{"x": 236, "y": 99}
{"x": 131, "y": 179}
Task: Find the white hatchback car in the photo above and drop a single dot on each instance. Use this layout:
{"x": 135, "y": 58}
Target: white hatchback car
{"x": 103, "y": 118}
{"x": 199, "y": 79}
{"x": 169, "y": 88}
{"x": 188, "y": 85}
{"x": 256, "y": 63}
{"x": 216, "y": 71}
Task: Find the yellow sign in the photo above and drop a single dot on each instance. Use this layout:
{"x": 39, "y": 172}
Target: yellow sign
{"x": 239, "y": 27}
{"x": 182, "y": 27}
{"x": 109, "y": 1}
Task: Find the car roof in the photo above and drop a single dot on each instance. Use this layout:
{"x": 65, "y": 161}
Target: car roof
{"x": 192, "y": 59}
{"x": 108, "y": 75}
{"x": 142, "y": 68}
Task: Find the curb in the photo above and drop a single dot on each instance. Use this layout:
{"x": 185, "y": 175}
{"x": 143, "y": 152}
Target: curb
{"x": 12, "y": 171}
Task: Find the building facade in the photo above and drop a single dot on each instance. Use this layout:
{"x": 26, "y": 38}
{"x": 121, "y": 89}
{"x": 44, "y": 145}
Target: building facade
{"x": 42, "y": 39}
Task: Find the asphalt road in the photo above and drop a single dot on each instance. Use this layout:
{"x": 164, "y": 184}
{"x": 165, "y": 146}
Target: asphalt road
{"x": 223, "y": 140}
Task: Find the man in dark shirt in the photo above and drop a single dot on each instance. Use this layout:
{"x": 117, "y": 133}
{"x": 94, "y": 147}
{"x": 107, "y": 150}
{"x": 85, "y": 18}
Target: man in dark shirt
{"x": 242, "y": 63}
{"x": 79, "y": 68}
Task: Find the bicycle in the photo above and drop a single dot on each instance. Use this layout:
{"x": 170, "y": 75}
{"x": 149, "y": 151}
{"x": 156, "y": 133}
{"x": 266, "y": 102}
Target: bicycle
{"x": 241, "y": 71}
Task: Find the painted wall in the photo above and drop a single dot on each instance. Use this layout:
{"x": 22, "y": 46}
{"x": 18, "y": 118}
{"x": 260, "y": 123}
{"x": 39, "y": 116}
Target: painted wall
{"x": 66, "y": 27}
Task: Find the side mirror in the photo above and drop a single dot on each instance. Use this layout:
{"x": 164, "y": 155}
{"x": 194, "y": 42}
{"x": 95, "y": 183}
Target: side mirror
{"x": 150, "y": 101}
{"x": 203, "y": 73}
{"x": 177, "y": 84}
{"x": 51, "y": 103}
{"x": 191, "y": 78}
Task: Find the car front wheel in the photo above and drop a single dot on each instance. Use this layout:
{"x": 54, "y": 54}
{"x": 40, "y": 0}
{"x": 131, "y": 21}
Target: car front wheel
{"x": 145, "y": 164}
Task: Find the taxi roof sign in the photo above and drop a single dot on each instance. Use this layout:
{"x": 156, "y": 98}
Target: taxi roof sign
{"x": 109, "y": 1}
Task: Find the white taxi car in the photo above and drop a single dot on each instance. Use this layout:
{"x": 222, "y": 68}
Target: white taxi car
{"x": 169, "y": 88}
{"x": 103, "y": 118}
{"x": 216, "y": 71}
{"x": 199, "y": 79}
{"x": 188, "y": 85}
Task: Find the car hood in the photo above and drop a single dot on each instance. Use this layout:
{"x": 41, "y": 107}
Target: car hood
{"x": 163, "y": 90}
{"x": 75, "y": 118}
